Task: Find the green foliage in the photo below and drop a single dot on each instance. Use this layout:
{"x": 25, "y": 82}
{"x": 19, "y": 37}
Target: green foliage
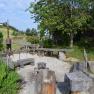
{"x": 64, "y": 16}
{"x": 57, "y": 15}
{"x": 86, "y": 39}
{"x": 28, "y": 32}
{"x": 61, "y": 15}
{"x": 33, "y": 39}
{"x": 1, "y": 41}
{"x": 32, "y": 32}
{"x": 48, "y": 43}
{"x": 32, "y": 36}
{"x": 78, "y": 53}
{"x": 8, "y": 80}
{"x": 15, "y": 33}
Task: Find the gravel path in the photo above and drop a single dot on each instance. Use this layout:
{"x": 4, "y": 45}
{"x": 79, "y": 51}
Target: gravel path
{"x": 54, "y": 64}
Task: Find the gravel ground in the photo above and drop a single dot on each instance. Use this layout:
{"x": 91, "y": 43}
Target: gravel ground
{"x": 54, "y": 64}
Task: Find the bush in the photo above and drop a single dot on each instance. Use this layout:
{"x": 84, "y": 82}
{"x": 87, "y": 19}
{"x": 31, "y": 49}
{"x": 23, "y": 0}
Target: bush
{"x": 33, "y": 39}
{"x": 15, "y": 33}
{"x": 8, "y": 80}
{"x": 1, "y": 41}
{"x": 48, "y": 43}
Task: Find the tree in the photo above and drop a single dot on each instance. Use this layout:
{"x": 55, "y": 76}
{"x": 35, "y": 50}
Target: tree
{"x": 33, "y": 39}
{"x": 31, "y": 32}
{"x": 28, "y": 32}
{"x": 32, "y": 36}
{"x": 61, "y": 16}
{"x": 75, "y": 22}
{"x": 15, "y": 33}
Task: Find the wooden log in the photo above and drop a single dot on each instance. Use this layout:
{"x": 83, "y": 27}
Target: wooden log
{"x": 48, "y": 88}
{"x": 49, "y": 84}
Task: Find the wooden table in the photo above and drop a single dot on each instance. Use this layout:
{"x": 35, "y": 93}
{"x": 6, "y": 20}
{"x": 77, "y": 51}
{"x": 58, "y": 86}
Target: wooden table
{"x": 43, "y": 51}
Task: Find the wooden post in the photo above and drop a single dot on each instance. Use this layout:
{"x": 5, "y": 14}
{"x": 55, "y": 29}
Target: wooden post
{"x": 8, "y": 40}
{"x": 7, "y": 31}
{"x": 86, "y": 59}
{"x": 49, "y": 84}
{"x": 7, "y": 59}
{"x": 19, "y": 55}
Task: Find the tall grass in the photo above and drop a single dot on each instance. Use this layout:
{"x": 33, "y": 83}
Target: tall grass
{"x": 79, "y": 53}
{"x": 8, "y": 80}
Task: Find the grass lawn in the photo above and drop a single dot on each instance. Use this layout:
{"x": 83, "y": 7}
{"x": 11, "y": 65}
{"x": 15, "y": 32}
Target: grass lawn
{"x": 3, "y": 29}
{"x": 15, "y": 45}
{"x": 78, "y": 53}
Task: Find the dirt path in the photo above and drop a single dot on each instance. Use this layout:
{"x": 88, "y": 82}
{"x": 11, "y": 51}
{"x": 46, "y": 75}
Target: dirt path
{"x": 54, "y": 64}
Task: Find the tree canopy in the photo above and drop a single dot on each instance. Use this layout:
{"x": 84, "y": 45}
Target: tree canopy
{"x": 31, "y": 32}
{"x": 63, "y": 16}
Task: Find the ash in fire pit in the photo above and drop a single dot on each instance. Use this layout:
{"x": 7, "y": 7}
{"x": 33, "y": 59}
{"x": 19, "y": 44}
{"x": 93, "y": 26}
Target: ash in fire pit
{"x": 41, "y": 65}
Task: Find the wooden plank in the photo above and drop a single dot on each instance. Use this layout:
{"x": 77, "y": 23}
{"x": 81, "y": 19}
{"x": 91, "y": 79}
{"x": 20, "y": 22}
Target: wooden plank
{"x": 38, "y": 50}
{"x": 49, "y": 87}
{"x": 49, "y": 49}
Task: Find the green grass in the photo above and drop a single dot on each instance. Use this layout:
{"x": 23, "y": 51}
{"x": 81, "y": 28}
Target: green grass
{"x": 15, "y": 46}
{"x": 91, "y": 54}
{"x": 78, "y": 53}
{"x": 3, "y": 29}
{"x": 8, "y": 80}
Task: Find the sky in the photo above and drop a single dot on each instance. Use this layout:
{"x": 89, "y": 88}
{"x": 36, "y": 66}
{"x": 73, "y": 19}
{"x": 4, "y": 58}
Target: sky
{"x": 14, "y": 12}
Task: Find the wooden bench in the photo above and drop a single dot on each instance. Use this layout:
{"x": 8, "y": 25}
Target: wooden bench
{"x": 21, "y": 63}
{"x": 27, "y": 61}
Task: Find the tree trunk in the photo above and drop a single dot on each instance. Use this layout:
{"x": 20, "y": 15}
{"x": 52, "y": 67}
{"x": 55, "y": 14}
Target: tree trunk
{"x": 71, "y": 39}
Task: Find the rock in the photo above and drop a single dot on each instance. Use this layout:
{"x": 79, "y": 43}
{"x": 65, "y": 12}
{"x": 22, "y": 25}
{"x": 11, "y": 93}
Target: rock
{"x": 62, "y": 56}
{"x": 91, "y": 66}
{"x": 78, "y": 81}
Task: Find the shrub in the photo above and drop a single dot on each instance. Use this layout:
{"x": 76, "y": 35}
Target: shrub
{"x": 1, "y": 41}
{"x": 33, "y": 39}
{"x": 15, "y": 33}
{"x": 8, "y": 80}
{"x": 48, "y": 43}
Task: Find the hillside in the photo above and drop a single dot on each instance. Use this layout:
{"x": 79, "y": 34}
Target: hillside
{"x": 20, "y": 36}
{"x": 3, "y": 29}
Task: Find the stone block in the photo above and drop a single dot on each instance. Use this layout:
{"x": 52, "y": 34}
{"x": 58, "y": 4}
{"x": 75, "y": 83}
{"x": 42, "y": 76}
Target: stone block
{"x": 62, "y": 56}
{"x": 78, "y": 81}
{"x": 91, "y": 66}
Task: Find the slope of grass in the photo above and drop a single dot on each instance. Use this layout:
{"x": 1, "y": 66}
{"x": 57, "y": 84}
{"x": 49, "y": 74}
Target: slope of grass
{"x": 15, "y": 45}
{"x": 3, "y": 29}
{"x": 8, "y": 80}
{"x": 79, "y": 53}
